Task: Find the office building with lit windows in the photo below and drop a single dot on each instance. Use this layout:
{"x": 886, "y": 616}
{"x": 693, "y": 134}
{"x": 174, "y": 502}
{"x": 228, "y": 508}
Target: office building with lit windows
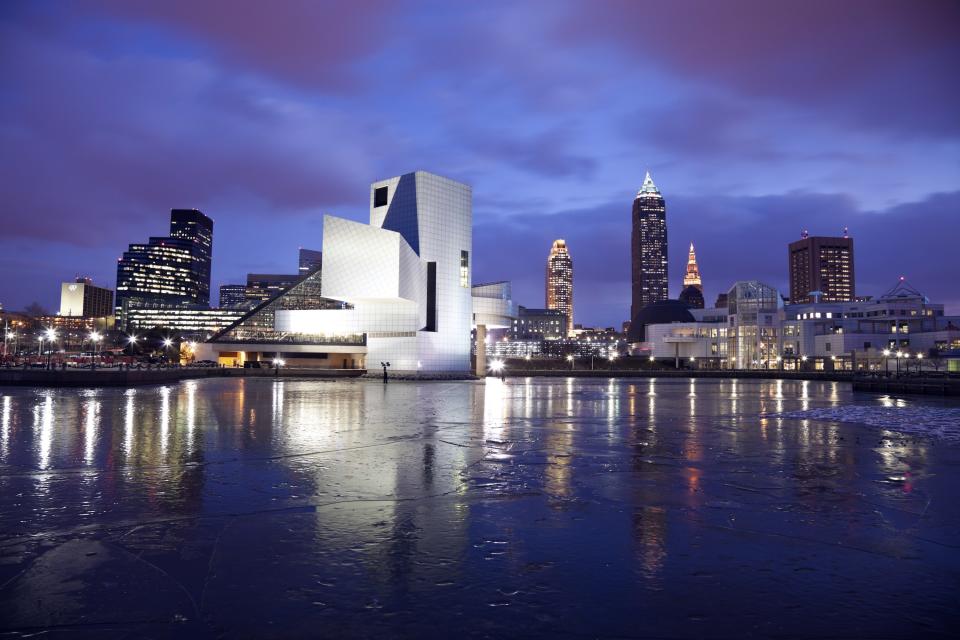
{"x": 264, "y": 286}
{"x": 309, "y": 261}
{"x": 395, "y": 290}
{"x": 648, "y": 247}
{"x": 232, "y": 296}
{"x": 821, "y": 269}
{"x": 559, "y": 281}
{"x": 168, "y": 270}
{"x": 539, "y": 324}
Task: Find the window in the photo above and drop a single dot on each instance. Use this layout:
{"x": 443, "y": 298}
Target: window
{"x": 380, "y": 196}
{"x": 464, "y": 268}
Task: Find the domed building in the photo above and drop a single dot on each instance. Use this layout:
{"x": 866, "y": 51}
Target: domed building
{"x": 662, "y": 312}
{"x": 692, "y": 296}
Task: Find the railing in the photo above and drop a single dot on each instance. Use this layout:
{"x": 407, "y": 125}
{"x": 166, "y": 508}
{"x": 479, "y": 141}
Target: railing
{"x": 274, "y": 337}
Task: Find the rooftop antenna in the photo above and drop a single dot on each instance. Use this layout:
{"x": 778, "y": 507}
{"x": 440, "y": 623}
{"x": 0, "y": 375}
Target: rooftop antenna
{"x": 846, "y": 232}
{"x": 804, "y": 234}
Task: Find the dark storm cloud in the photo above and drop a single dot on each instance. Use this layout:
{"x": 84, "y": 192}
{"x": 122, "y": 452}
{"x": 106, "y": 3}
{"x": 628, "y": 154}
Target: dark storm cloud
{"x": 310, "y": 42}
{"x": 876, "y": 63}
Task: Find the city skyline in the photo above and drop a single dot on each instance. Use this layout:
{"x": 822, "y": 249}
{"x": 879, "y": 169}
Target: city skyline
{"x": 257, "y": 135}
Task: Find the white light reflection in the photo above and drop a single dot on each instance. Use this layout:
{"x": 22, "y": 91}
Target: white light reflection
{"x": 92, "y": 421}
{"x": 805, "y": 395}
{"x": 5, "y": 428}
{"x": 276, "y": 406}
{"x": 164, "y": 419}
{"x": 43, "y": 422}
{"x": 692, "y": 394}
{"x": 191, "y": 387}
{"x": 128, "y": 424}
{"x": 494, "y": 408}
{"x": 613, "y": 403}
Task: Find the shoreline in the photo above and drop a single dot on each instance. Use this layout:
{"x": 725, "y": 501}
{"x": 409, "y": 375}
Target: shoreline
{"x": 71, "y": 378}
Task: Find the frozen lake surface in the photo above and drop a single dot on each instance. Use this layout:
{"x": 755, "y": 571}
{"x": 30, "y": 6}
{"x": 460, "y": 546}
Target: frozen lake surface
{"x": 259, "y": 508}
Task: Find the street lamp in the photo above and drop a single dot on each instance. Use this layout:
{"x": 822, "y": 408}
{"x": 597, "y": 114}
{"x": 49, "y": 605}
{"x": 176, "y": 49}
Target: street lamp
{"x": 95, "y": 339}
{"x": 497, "y": 367}
{"x": 51, "y": 337}
{"x": 899, "y": 355}
{"x": 570, "y": 360}
{"x": 886, "y": 361}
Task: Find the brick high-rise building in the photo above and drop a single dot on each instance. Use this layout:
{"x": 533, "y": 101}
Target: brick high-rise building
{"x": 821, "y": 264}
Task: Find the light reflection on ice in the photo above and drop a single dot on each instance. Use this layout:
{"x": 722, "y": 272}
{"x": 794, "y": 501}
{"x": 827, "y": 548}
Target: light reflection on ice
{"x": 895, "y": 415}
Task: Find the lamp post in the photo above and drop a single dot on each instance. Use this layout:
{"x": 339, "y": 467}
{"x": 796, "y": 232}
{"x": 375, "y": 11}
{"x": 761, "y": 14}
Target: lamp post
{"x": 497, "y": 367}
{"x": 899, "y": 355}
{"x": 919, "y": 363}
{"x": 51, "y": 337}
{"x": 803, "y": 360}
{"x": 651, "y": 359}
{"x": 95, "y": 339}
{"x": 570, "y": 360}
{"x": 167, "y": 343}
{"x": 886, "y": 362}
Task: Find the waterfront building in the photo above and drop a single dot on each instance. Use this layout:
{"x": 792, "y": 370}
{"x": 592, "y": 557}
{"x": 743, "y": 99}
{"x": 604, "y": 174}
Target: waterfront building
{"x": 753, "y": 325}
{"x": 539, "y": 324}
{"x": 168, "y": 270}
{"x": 81, "y": 298}
{"x": 232, "y": 296}
{"x": 396, "y": 290}
{"x": 661, "y": 312}
{"x": 492, "y": 304}
{"x": 821, "y": 269}
{"x": 648, "y": 247}
{"x": 309, "y": 261}
{"x": 559, "y": 281}
{"x": 198, "y": 322}
{"x": 856, "y": 334}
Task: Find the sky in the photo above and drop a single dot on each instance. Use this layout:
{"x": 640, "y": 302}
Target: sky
{"x": 756, "y": 119}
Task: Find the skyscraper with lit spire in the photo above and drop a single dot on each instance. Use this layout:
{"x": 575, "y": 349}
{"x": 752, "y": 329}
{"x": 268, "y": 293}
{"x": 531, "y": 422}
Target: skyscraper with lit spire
{"x": 692, "y": 293}
{"x": 559, "y": 281}
{"x": 648, "y": 247}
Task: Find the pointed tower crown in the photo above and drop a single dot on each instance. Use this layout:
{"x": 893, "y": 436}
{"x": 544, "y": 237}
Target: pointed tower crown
{"x": 648, "y": 188}
{"x": 692, "y": 276}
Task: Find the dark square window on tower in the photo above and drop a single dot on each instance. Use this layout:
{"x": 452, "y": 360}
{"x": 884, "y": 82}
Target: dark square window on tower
{"x": 380, "y": 197}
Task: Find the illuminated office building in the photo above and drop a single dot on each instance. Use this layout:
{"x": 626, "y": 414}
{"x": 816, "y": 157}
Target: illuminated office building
{"x": 81, "y": 298}
{"x": 232, "y": 296}
{"x": 168, "y": 270}
{"x": 648, "y": 247}
{"x": 821, "y": 269}
{"x": 264, "y": 286}
{"x": 559, "y": 281}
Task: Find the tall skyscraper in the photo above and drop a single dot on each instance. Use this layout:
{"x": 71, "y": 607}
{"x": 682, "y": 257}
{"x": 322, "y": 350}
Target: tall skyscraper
{"x": 192, "y": 225}
{"x": 821, "y": 264}
{"x": 692, "y": 293}
{"x": 560, "y": 281}
{"x": 171, "y": 270}
{"x": 309, "y": 260}
{"x": 648, "y": 247}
